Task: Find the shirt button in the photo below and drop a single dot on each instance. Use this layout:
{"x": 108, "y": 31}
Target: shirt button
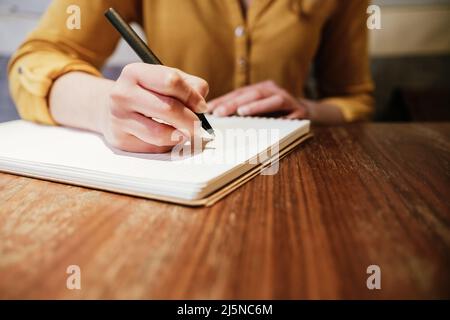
{"x": 242, "y": 62}
{"x": 239, "y": 31}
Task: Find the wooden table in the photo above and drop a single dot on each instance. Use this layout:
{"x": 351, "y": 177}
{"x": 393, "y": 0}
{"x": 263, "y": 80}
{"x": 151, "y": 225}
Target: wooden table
{"x": 352, "y": 197}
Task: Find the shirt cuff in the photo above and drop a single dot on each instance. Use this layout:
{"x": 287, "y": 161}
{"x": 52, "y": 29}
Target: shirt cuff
{"x": 31, "y": 78}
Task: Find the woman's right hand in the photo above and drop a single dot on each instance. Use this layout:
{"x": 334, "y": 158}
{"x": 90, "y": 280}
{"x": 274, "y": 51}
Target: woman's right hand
{"x": 143, "y": 93}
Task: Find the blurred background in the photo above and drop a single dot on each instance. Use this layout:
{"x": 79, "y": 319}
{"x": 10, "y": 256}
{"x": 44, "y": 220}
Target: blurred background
{"x": 410, "y": 56}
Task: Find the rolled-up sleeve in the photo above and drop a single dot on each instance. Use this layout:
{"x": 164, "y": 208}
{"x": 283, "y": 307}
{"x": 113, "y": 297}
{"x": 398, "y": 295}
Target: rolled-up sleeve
{"x": 342, "y": 63}
{"x": 53, "y": 49}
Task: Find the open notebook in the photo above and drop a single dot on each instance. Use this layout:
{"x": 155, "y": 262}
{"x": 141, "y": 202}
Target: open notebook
{"x": 191, "y": 176}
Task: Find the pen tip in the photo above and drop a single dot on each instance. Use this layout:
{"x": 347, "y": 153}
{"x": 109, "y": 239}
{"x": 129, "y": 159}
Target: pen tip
{"x": 211, "y": 132}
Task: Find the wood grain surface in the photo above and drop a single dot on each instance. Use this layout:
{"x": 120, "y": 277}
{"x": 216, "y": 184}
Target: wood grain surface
{"x": 351, "y": 197}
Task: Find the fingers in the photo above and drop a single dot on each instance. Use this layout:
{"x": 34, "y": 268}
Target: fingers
{"x": 230, "y": 107}
{"x": 151, "y": 131}
{"x": 298, "y": 114}
{"x": 167, "y": 81}
{"x": 271, "y": 104}
{"x": 213, "y": 104}
{"x": 261, "y": 98}
{"x": 153, "y": 105}
{"x": 229, "y": 103}
{"x": 151, "y": 108}
{"x": 200, "y": 85}
{"x": 130, "y": 143}
{"x": 123, "y": 135}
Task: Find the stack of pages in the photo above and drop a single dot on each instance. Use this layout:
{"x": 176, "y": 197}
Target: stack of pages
{"x": 198, "y": 174}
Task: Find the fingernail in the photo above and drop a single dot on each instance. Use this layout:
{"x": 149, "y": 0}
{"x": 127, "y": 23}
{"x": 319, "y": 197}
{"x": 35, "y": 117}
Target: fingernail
{"x": 220, "y": 111}
{"x": 202, "y": 107}
{"x": 243, "y": 111}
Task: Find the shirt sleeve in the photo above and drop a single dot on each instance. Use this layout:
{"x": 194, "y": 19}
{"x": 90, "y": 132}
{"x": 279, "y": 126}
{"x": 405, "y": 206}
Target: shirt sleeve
{"x": 342, "y": 64}
{"x": 54, "y": 49}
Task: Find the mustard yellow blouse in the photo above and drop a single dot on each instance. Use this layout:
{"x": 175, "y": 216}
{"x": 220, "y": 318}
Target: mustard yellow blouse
{"x": 276, "y": 39}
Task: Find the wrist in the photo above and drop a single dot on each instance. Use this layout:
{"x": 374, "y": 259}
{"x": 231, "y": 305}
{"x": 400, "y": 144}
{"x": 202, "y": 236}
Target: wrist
{"x": 101, "y": 115}
{"x": 324, "y": 113}
{"x": 309, "y": 107}
{"x": 79, "y": 100}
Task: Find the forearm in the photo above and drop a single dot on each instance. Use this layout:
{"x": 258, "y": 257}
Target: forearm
{"x": 78, "y": 100}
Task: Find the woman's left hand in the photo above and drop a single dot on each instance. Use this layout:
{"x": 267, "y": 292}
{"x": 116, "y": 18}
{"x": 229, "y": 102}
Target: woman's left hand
{"x": 258, "y": 99}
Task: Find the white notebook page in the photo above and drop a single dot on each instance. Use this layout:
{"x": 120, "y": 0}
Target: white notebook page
{"x": 57, "y": 152}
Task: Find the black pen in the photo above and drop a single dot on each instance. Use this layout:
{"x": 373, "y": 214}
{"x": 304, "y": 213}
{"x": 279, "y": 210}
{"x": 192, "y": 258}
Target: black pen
{"x": 143, "y": 51}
